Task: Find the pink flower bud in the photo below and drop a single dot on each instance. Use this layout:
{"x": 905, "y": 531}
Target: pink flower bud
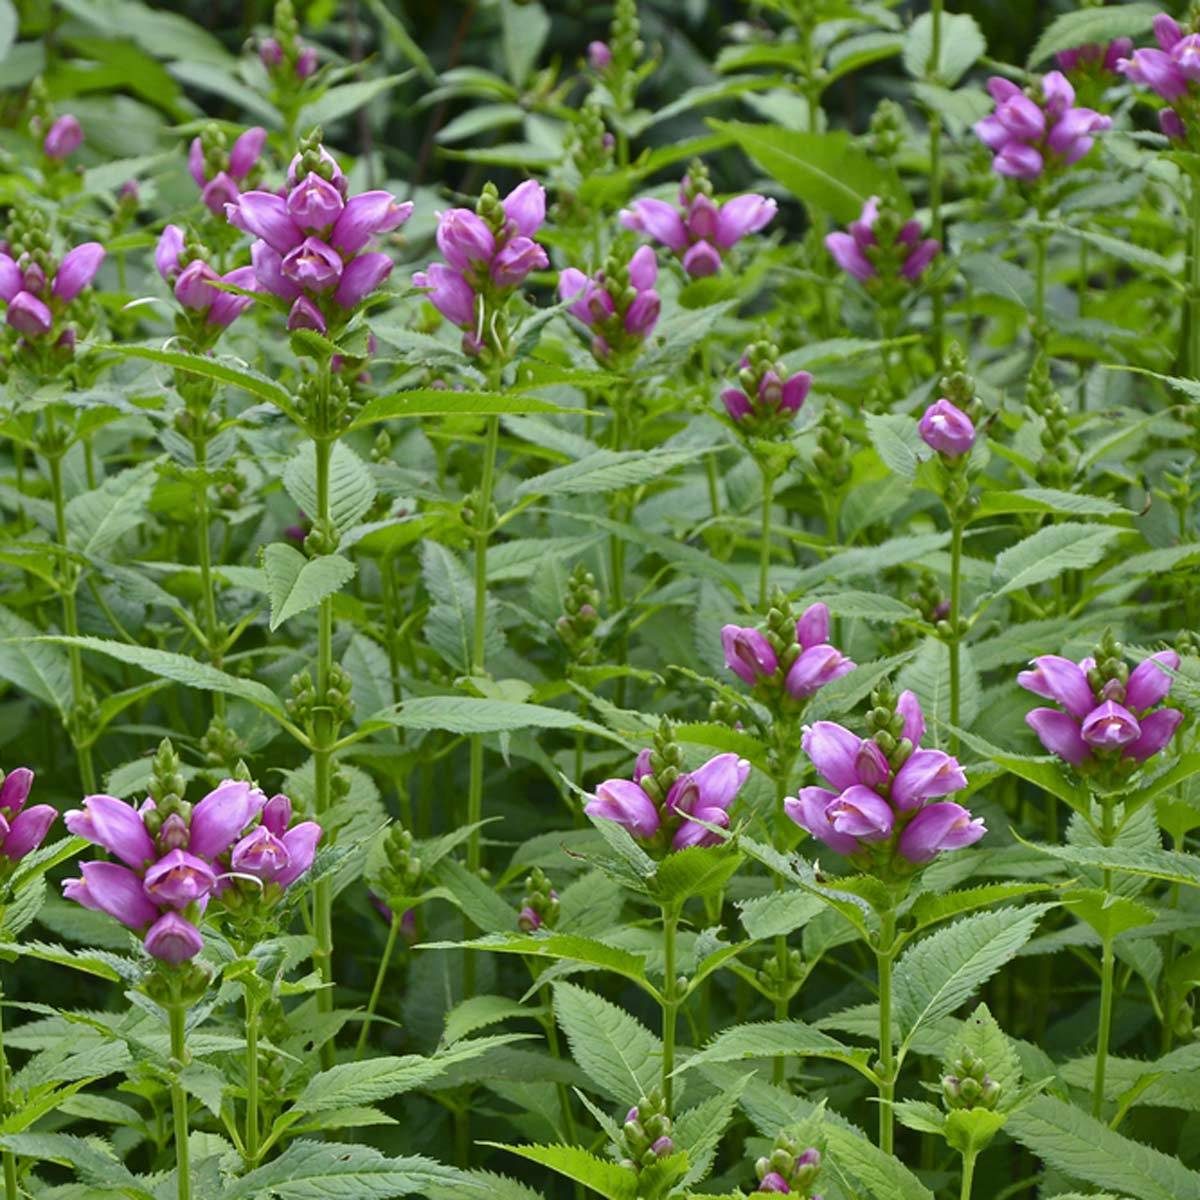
{"x": 1018, "y": 161}
{"x": 365, "y": 215}
{"x": 63, "y": 138}
{"x": 270, "y": 53}
{"x": 1059, "y": 733}
{"x": 305, "y": 314}
{"x": 313, "y": 265}
{"x": 810, "y": 810}
{"x": 741, "y": 216}
{"x": 173, "y": 939}
{"x": 1166, "y": 30}
{"x": 947, "y": 429}
{"x": 464, "y": 239}
{"x": 11, "y": 279}
{"x": 197, "y": 167}
{"x": 816, "y": 667}
{"x": 659, "y": 220}
{"x": 599, "y": 56}
{"x": 737, "y": 404}
{"x": 361, "y": 277}
{"x": 179, "y": 879}
{"x": 167, "y": 252}
{"x": 28, "y": 315}
{"x": 1150, "y": 681}
{"x": 228, "y": 306}
{"x": 77, "y": 269}
{"x": 525, "y": 207}
{"x": 265, "y": 215}
{"x": 939, "y": 827}
{"x": 642, "y": 315}
{"x": 314, "y": 203}
{"x": 925, "y": 775}
{"x": 110, "y": 888}
{"x": 15, "y": 789}
{"x": 862, "y": 813}
{"x": 1110, "y": 726}
{"x": 1158, "y": 728}
{"x": 246, "y": 151}
{"x": 1057, "y": 678}
{"x": 833, "y": 750}
{"x": 848, "y": 255}
{"x": 449, "y": 293}
{"x": 624, "y": 802}
{"x": 191, "y": 287}
{"x": 515, "y": 262}
{"x": 28, "y": 830}
{"x": 306, "y": 63}
{"x": 268, "y": 270}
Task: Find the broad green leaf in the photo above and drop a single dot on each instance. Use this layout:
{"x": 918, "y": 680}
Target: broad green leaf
{"x": 346, "y": 98}
{"x": 931, "y": 908}
{"x": 603, "y": 1177}
{"x": 778, "y": 913}
{"x": 567, "y": 947}
{"x": 618, "y": 1053}
{"x": 772, "y": 1039}
{"x": 296, "y": 583}
{"x": 962, "y": 43}
{"x": 606, "y": 471}
{"x": 97, "y": 520}
{"x": 897, "y": 442}
{"x": 38, "y": 668}
{"x": 450, "y": 623}
{"x": 479, "y": 1012}
{"x": 467, "y": 714}
{"x": 1170, "y": 865}
{"x": 695, "y": 871}
{"x": 943, "y": 970}
{"x": 442, "y": 402}
{"x": 825, "y": 170}
{"x": 180, "y": 669}
{"x": 1048, "y": 553}
{"x": 1084, "y": 1148}
{"x": 981, "y": 1035}
{"x": 351, "y": 488}
{"x": 1087, "y": 25}
{"x": 1107, "y": 914}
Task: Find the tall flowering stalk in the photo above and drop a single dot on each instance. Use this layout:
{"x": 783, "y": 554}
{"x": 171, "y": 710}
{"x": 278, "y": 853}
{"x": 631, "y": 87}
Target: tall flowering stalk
{"x": 666, "y": 809}
{"x": 489, "y": 252}
{"x": 312, "y": 253}
{"x": 1110, "y": 721}
{"x": 46, "y": 301}
{"x": 23, "y": 828}
{"x": 886, "y": 809}
{"x": 762, "y": 409}
{"x": 947, "y": 428}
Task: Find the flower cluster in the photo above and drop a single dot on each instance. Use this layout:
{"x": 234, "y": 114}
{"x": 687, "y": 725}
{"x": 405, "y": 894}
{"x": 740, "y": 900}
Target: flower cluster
{"x": 699, "y": 231}
{"x": 646, "y": 1133}
{"x": 220, "y": 173}
{"x": 788, "y": 1170}
{"x": 1095, "y": 57}
{"x": 1110, "y": 716}
{"x": 792, "y": 661}
{"x": 876, "y": 809}
{"x": 37, "y": 288}
{"x": 944, "y": 427}
{"x": 21, "y": 829}
{"x": 539, "y": 904}
{"x": 63, "y": 138}
{"x": 768, "y": 397}
{"x": 1037, "y": 130}
{"x": 618, "y": 304}
{"x": 662, "y": 804}
{"x": 183, "y": 267}
{"x": 287, "y": 59}
{"x": 489, "y": 252}
{"x": 880, "y": 249}
{"x": 311, "y": 240}
{"x": 173, "y": 857}
{"x": 1169, "y": 71}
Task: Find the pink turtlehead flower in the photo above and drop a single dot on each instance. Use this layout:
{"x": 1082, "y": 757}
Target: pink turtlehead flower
{"x": 593, "y": 304}
{"x": 63, "y": 138}
{"x": 944, "y": 427}
{"x": 852, "y": 250}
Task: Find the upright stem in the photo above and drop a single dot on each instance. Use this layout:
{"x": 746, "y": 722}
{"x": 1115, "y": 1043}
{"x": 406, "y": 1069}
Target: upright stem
{"x": 956, "y": 543}
{"x": 179, "y": 1100}
{"x": 1107, "y": 965}
{"x": 208, "y": 592}
{"x": 887, "y": 1061}
{"x": 250, "y": 1152}
{"x": 764, "y": 543}
{"x": 9, "y": 1158}
{"x": 670, "y": 1004}
{"x": 968, "y": 1176}
{"x": 87, "y": 772}
{"x": 483, "y": 529}
{"x": 1194, "y": 285}
{"x": 324, "y": 736}
{"x": 564, "y": 1094}
{"x": 380, "y": 975}
{"x": 935, "y": 173}
{"x": 1039, "y": 274}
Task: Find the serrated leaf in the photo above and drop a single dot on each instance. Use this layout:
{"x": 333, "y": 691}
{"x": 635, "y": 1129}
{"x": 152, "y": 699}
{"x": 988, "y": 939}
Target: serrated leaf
{"x": 40, "y": 669}
{"x": 564, "y": 946}
{"x": 435, "y": 402}
{"x": 1048, "y": 553}
{"x": 1107, "y": 914}
{"x": 468, "y": 714}
{"x": 605, "y": 471}
{"x": 618, "y": 1053}
{"x": 1088, "y": 25}
{"x": 962, "y": 43}
{"x": 296, "y": 583}
{"x": 605, "y": 1178}
{"x": 897, "y": 442}
{"x": 942, "y": 971}
{"x": 351, "y": 486}
{"x": 773, "y": 1039}
{"x": 97, "y": 520}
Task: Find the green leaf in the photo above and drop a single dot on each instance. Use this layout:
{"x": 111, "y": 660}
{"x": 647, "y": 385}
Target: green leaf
{"x": 779, "y": 913}
{"x": 467, "y": 714}
{"x": 772, "y": 1039}
{"x": 1042, "y": 500}
{"x": 962, "y": 44}
{"x": 699, "y": 1130}
{"x": 1084, "y": 1148}
{"x": 605, "y": 1178}
{"x": 180, "y": 669}
{"x": 1169, "y": 865}
{"x": 983, "y": 1037}
{"x": 972, "y": 1129}
{"x": 942, "y": 971}
{"x": 450, "y": 623}
{"x": 1050, "y": 552}
{"x": 351, "y": 487}
{"x": 478, "y": 1012}
{"x": 931, "y": 908}
{"x": 605, "y": 471}
{"x": 39, "y": 669}
{"x": 1107, "y": 914}
{"x": 525, "y": 28}
{"x": 325, "y": 1171}
{"x": 442, "y": 402}
{"x": 897, "y": 442}
{"x": 97, "y": 520}
{"x": 296, "y": 583}
{"x": 826, "y": 171}
{"x": 695, "y": 871}
{"x": 617, "y": 1053}
{"x": 1086, "y": 25}
{"x": 346, "y": 98}
{"x": 568, "y": 947}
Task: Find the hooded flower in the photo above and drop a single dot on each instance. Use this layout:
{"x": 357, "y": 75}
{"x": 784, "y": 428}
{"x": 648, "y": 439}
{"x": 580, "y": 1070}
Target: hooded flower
{"x": 618, "y": 305}
{"x": 874, "y": 807}
{"x": 860, "y": 251}
{"x": 22, "y": 829}
{"x": 1105, "y": 715}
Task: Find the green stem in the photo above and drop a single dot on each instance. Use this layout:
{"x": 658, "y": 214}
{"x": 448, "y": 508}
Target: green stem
{"x": 483, "y": 528}
{"x": 564, "y": 1093}
{"x": 324, "y": 737}
{"x": 670, "y": 1003}
{"x": 179, "y": 1101}
{"x": 887, "y": 1061}
{"x": 204, "y": 548}
{"x": 9, "y": 1158}
{"x": 764, "y": 544}
{"x": 1194, "y": 284}
{"x": 968, "y": 1176}
{"x": 935, "y": 174}
{"x": 83, "y": 752}
{"x": 956, "y": 545}
{"x": 377, "y": 990}
{"x": 1039, "y": 304}
{"x": 1107, "y": 965}
{"x": 250, "y": 1150}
